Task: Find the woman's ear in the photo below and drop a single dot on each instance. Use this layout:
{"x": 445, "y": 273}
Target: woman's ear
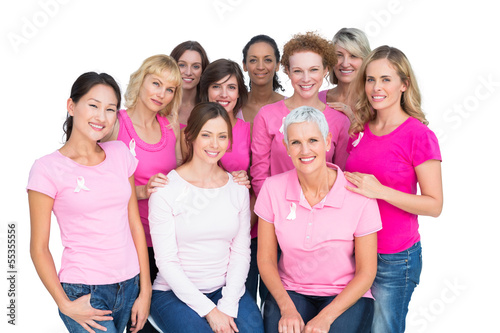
{"x": 70, "y": 105}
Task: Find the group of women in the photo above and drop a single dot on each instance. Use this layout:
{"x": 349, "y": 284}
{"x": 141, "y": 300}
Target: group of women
{"x": 157, "y": 219}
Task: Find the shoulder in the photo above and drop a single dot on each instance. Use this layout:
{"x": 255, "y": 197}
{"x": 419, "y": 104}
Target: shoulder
{"x": 274, "y": 109}
{"x": 279, "y": 181}
{"x": 114, "y": 146}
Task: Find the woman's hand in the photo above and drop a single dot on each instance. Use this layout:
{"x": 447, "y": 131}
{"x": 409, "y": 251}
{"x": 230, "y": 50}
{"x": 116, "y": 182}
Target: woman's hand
{"x": 220, "y": 322}
{"x": 319, "y": 324}
{"x": 291, "y": 322}
{"x": 344, "y": 108}
{"x": 84, "y": 314}
{"x": 367, "y": 185}
{"x": 145, "y": 191}
{"x": 241, "y": 177}
{"x": 140, "y": 311}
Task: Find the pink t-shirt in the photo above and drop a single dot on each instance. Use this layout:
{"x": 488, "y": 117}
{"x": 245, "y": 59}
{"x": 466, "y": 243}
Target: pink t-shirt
{"x": 91, "y": 207}
{"x": 322, "y": 95}
{"x": 269, "y": 156}
{"x": 392, "y": 159}
{"x": 153, "y": 158}
{"x": 201, "y": 242}
{"x": 317, "y": 243}
{"x": 238, "y": 155}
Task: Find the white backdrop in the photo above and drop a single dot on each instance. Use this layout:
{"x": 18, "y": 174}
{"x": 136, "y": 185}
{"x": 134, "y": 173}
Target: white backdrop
{"x": 453, "y": 47}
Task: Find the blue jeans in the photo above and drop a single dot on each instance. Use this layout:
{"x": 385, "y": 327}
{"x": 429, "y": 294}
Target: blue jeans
{"x": 174, "y": 316}
{"x": 397, "y": 276}
{"x": 356, "y": 319}
{"x": 117, "y": 297}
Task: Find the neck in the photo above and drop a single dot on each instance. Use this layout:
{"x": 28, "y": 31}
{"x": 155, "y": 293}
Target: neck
{"x": 189, "y": 96}
{"x": 316, "y": 184}
{"x": 296, "y": 100}
{"x": 81, "y": 149}
{"x": 142, "y": 116}
{"x": 261, "y": 94}
{"x": 200, "y": 173}
{"x": 389, "y": 117}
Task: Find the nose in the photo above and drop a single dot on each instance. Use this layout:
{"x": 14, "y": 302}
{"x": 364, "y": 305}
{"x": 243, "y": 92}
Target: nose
{"x": 160, "y": 93}
{"x": 223, "y": 91}
{"x": 215, "y": 142}
{"x": 304, "y": 149}
{"x": 260, "y": 64}
{"x": 100, "y": 113}
{"x": 187, "y": 70}
{"x": 306, "y": 76}
{"x": 345, "y": 62}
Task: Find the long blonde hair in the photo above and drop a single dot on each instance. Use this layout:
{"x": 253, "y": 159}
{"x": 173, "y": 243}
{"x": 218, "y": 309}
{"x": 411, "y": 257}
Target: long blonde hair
{"x": 156, "y": 65}
{"x": 410, "y": 100}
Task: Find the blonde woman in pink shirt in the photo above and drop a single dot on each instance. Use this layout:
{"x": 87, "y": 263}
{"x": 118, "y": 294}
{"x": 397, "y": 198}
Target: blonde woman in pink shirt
{"x": 200, "y": 226}
{"x": 327, "y": 235}
{"x": 91, "y": 190}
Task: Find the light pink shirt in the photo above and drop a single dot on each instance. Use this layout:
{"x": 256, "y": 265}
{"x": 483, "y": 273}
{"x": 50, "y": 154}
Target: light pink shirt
{"x": 317, "y": 243}
{"x": 238, "y": 155}
{"x": 269, "y": 156}
{"x": 392, "y": 159}
{"x": 201, "y": 240}
{"x": 153, "y": 158}
{"x": 91, "y": 207}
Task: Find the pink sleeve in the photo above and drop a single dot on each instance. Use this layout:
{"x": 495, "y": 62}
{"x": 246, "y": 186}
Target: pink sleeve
{"x": 425, "y": 147}
{"x": 130, "y": 160}
{"x": 261, "y": 153}
{"x": 41, "y": 181}
{"x": 369, "y": 221}
{"x": 263, "y": 207}
{"x": 162, "y": 227}
{"x": 239, "y": 263}
{"x": 341, "y": 153}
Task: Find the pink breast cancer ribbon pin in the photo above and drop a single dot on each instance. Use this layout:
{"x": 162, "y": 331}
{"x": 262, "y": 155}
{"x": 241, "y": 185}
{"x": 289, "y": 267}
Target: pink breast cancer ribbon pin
{"x": 131, "y": 146}
{"x": 282, "y": 128}
{"x": 80, "y": 181}
{"x": 360, "y": 136}
{"x": 292, "y": 215}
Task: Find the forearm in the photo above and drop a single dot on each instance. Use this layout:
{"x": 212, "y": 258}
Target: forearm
{"x": 353, "y": 291}
{"x": 269, "y": 274}
{"x": 44, "y": 265}
{"x": 417, "y": 204}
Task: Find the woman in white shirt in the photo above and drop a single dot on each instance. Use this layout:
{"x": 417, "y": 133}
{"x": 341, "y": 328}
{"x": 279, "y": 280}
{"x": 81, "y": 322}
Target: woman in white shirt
{"x": 200, "y": 228}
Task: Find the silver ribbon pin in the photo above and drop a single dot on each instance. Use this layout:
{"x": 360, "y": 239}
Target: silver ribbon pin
{"x": 80, "y": 181}
{"x": 292, "y": 215}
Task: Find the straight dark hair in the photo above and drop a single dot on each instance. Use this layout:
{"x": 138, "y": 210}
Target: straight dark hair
{"x": 266, "y": 39}
{"x": 192, "y": 45}
{"x": 82, "y": 86}
{"x": 202, "y": 113}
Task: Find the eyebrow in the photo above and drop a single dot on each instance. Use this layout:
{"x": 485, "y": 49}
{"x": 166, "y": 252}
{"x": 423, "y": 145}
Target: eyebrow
{"x": 98, "y": 101}
{"x": 207, "y": 131}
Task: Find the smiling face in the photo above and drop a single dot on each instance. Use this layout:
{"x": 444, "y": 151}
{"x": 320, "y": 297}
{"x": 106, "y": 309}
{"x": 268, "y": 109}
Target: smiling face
{"x": 224, "y": 92}
{"x": 156, "y": 91}
{"x": 347, "y": 66}
{"x": 95, "y": 113}
{"x": 307, "y": 147}
{"x": 306, "y": 73}
{"x": 191, "y": 69}
{"x": 383, "y": 86}
{"x": 212, "y": 141}
{"x": 261, "y": 63}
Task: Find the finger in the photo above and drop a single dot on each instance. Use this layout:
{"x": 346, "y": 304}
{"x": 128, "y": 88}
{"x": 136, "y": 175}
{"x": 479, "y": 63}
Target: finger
{"x": 233, "y": 325}
{"x": 353, "y": 189}
{"x": 96, "y": 325}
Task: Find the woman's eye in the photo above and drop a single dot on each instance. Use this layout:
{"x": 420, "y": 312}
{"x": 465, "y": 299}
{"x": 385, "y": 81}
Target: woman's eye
{"x": 156, "y": 83}
{"x": 111, "y": 110}
{"x": 196, "y": 66}
{"x": 269, "y": 60}
{"x": 170, "y": 90}
{"x": 93, "y": 106}
{"x": 223, "y": 137}
{"x": 181, "y": 65}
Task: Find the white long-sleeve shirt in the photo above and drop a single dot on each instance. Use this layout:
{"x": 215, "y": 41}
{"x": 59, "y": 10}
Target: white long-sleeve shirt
{"x": 201, "y": 240}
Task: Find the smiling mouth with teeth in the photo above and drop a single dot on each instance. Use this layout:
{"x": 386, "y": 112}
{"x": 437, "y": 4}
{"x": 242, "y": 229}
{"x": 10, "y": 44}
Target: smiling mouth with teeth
{"x": 96, "y": 126}
{"x": 309, "y": 159}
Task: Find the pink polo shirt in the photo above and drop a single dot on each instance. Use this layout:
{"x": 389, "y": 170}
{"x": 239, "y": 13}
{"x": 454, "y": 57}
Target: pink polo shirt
{"x": 238, "y": 155}
{"x": 317, "y": 243}
{"x": 91, "y": 207}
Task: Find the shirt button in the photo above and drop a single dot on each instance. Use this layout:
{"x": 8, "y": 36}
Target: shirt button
{"x": 307, "y": 237}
